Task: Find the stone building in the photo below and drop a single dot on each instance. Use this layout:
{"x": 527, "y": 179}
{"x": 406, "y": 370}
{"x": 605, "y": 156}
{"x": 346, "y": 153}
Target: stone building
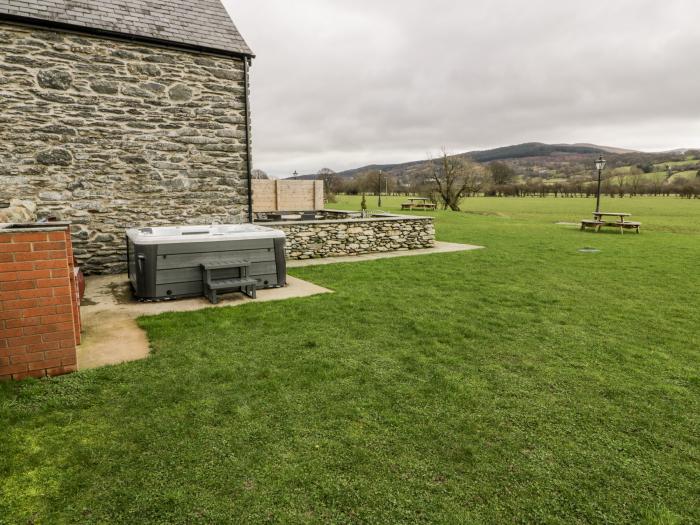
{"x": 122, "y": 113}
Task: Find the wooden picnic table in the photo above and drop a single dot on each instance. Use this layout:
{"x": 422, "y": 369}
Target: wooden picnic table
{"x": 598, "y": 221}
{"x": 418, "y": 203}
{"x": 598, "y": 215}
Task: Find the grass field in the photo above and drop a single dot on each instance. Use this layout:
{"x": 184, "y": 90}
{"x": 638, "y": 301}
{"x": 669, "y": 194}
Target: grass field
{"x": 523, "y": 383}
{"x": 687, "y": 175}
{"x": 686, "y": 162}
{"x": 650, "y": 177}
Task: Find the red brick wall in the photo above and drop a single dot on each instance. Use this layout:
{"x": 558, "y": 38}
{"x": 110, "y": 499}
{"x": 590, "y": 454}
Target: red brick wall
{"x": 39, "y": 309}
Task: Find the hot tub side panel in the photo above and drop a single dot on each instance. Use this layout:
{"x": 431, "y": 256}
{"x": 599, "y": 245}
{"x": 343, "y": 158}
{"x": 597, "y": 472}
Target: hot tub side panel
{"x": 281, "y": 260}
{"x": 178, "y": 272}
{"x": 142, "y": 260}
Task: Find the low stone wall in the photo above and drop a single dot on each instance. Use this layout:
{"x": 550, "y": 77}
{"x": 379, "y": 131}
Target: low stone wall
{"x": 335, "y": 238}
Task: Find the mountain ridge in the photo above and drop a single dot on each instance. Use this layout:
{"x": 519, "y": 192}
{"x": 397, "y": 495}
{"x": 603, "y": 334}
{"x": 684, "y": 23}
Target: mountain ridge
{"x": 515, "y": 151}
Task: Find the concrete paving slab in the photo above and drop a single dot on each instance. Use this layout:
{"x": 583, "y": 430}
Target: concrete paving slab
{"x": 110, "y": 339}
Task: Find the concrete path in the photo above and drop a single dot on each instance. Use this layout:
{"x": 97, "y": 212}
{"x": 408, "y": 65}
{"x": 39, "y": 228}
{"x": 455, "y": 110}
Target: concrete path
{"x": 109, "y": 312}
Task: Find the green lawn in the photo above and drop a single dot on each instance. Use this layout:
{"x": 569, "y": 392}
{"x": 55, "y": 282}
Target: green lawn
{"x": 523, "y": 383}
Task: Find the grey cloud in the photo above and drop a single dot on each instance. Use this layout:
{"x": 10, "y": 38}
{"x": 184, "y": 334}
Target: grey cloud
{"x": 343, "y": 83}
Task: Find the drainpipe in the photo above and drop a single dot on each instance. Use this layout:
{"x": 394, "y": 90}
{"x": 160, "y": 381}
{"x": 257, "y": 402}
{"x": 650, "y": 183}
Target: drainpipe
{"x": 249, "y": 163}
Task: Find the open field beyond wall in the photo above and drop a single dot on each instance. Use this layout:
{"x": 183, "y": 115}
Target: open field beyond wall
{"x": 523, "y": 383}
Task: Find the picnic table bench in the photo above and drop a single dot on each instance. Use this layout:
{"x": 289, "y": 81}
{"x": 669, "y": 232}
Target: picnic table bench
{"x": 418, "y": 203}
{"x": 598, "y": 221}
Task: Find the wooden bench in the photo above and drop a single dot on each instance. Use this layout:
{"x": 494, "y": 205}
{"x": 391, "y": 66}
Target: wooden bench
{"x": 213, "y": 284}
{"x": 592, "y": 224}
{"x": 627, "y": 225}
{"x": 623, "y": 225}
{"x": 418, "y": 206}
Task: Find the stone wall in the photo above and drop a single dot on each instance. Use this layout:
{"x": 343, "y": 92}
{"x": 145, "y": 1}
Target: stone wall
{"x": 111, "y": 134}
{"x": 335, "y": 238}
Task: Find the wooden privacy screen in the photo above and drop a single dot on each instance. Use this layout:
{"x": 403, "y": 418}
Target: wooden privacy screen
{"x": 287, "y": 195}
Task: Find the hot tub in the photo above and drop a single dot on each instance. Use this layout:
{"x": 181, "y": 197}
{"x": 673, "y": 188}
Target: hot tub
{"x": 165, "y": 262}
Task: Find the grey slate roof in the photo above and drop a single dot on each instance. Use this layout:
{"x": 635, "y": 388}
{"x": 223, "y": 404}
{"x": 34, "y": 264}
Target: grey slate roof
{"x": 201, "y": 23}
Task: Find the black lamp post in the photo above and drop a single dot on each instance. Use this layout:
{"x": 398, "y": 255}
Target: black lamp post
{"x": 600, "y": 166}
{"x": 296, "y": 174}
{"x": 380, "y": 189}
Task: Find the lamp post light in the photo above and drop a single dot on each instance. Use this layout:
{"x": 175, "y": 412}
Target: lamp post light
{"x": 295, "y": 174}
{"x": 380, "y": 189}
{"x": 600, "y": 166}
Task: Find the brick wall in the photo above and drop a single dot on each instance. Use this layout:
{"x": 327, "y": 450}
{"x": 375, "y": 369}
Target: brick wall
{"x": 39, "y": 310}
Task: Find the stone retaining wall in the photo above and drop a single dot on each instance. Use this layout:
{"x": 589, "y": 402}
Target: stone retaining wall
{"x": 335, "y": 238}
{"x": 109, "y": 134}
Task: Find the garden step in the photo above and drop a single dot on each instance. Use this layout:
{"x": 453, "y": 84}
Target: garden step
{"x": 232, "y": 283}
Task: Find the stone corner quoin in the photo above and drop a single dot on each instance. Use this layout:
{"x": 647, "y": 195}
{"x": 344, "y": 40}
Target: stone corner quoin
{"x": 109, "y": 134}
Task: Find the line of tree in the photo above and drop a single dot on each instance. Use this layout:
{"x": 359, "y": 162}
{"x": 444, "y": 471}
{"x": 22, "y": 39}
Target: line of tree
{"x": 449, "y": 179}
{"x": 688, "y": 188}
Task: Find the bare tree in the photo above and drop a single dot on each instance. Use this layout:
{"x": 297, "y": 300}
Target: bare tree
{"x": 476, "y": 179}
{"x": 657, "y": 180}
{"x": 331, "y": 181}
{"x": 367, "y": 182}
{"x": 453, "y": 178}
{"x": 391, "y": 184}
{"x": 635, "y": 180}
{"x": 259, "y": 175}
{"x": 502, "y": 173}
{"x": 621, "y": 178}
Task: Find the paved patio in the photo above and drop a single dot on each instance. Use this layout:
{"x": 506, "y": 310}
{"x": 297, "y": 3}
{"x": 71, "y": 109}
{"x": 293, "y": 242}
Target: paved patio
{"x": 109, "y": 312}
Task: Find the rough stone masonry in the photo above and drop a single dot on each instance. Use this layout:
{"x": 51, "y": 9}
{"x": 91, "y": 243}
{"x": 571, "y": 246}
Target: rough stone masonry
{"x": 109, "y": 134}
{"x": 335, "y": 238}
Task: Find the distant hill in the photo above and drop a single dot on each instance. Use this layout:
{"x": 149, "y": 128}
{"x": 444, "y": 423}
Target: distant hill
{"x": 620, "y": 151}
{"x": 515, "y": 152}
{"x": 532, "y": 149}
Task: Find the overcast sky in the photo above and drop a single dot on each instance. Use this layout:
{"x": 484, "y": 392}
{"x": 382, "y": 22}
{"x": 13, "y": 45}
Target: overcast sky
{"x": 344, "y": 83}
